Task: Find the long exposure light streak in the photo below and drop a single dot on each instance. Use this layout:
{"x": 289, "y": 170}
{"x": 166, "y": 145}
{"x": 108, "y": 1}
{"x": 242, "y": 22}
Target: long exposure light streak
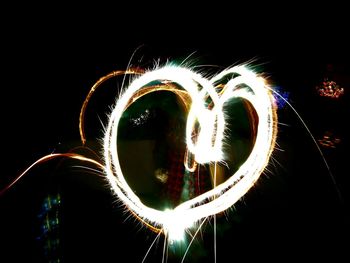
{"x": 208, "y": 147}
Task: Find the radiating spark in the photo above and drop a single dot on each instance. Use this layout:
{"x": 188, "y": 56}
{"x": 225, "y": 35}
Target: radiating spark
{"x": 340, "y": 196}
{"x": 149, "y": 249}
{"x": 193, "y": 238}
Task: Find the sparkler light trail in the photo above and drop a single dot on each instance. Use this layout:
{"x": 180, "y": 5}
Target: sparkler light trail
{"x": 194, "y": 90}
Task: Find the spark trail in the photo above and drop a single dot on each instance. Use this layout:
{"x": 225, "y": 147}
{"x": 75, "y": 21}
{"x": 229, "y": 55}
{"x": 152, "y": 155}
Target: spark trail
{"x": 193, "y": 89}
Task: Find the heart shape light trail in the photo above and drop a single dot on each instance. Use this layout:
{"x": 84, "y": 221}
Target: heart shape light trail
{"x": 194, "y": 90}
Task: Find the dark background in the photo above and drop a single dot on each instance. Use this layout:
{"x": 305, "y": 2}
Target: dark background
{"x": 49, "y": 62}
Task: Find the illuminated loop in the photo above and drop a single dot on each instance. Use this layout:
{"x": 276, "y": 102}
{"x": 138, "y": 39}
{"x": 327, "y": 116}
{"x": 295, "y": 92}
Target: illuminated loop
{"x": 207, "y": 147}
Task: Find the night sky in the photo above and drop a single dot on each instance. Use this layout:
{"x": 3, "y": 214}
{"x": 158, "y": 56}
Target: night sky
{"x": 293, "y": 212}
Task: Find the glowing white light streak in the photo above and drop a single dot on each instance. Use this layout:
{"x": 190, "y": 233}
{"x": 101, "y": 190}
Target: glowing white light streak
{"x": 208, "y": 146}
{"x": 175, "y": 225}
